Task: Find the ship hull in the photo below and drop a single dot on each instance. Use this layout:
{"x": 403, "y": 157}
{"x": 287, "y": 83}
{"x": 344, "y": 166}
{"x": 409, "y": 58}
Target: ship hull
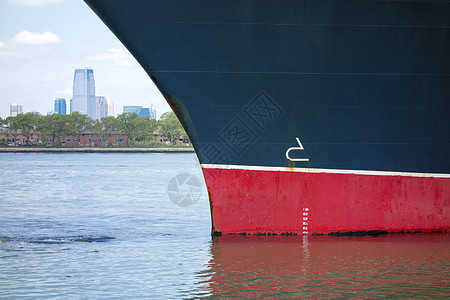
{"x": 255, "y": 200}
{"x": 335, "y": 111}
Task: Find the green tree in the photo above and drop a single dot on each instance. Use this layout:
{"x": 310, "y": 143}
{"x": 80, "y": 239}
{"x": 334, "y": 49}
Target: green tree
{"x": 42, "y": 129}
{"x": 145, "y": 129}
{"x": 79, "y": 124}
{"x": 13, "y": 127}
{"x": 3, "y": 131}
{"x": 27, "y": 123}
{"x": 170, "y": 127}
{"x": 128, "y": 125}
{"x": 107, "y": 126}
{"x": 57, "y": 126}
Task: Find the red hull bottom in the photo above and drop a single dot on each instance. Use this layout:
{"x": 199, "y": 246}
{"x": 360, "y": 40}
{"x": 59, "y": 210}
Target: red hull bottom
{"x": 280, "y": 202}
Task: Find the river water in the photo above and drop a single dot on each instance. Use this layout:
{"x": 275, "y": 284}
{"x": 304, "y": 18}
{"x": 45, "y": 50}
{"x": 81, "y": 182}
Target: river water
{"x": 84, "y": 226}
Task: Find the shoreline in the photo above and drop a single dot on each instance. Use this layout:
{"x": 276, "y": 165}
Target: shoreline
{"x": 95, "y": 150}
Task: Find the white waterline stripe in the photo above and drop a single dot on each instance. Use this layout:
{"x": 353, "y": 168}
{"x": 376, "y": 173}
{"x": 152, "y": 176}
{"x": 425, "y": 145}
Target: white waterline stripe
{"x": 333, "y": 171}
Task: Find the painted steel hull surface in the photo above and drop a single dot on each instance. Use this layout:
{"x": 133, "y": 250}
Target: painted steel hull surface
{"x": 308, "y": 117}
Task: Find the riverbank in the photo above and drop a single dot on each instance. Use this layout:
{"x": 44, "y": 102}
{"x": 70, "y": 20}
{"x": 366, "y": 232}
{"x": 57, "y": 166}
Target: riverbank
{"x": 93, "y": 150}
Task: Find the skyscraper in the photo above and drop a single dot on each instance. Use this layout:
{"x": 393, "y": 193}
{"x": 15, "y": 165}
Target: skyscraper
{"x": 141, "y": 111}
{"x": 110, "y": 107}
{"x": 60, "y": 106}
{"x": 132, "y": 109}
{"x": 152, "y": 113}
{"x": 101, "y": 107}
{"x": 15, "y": 109}
{"x": 83, "y": 99}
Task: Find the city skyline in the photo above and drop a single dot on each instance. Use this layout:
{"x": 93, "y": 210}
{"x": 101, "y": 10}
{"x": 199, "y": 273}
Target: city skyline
{"x": 86, "y": 102}
{"x": 39, "y": 53}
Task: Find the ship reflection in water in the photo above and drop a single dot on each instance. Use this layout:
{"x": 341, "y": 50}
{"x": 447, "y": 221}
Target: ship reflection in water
{"x": 404, "y": 266}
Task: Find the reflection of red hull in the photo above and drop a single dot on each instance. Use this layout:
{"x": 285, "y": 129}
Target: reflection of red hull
{"x": 320, "y": 202}
{"x": 313, "y": 267}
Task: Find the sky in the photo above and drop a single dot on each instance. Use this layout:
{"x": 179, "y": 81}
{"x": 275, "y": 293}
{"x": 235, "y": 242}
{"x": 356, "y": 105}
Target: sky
{"x": 42, "y": 42}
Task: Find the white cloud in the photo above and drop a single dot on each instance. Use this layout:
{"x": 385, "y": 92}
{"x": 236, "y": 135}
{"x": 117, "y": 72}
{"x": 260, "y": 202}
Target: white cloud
{"x": 11, "y": 52}
{"x": 119, "y": 57}
{"x": 111, "y": 54}
{"x": 36, "y": 38}
{"x": 122, "y": 63}
{"x": 65, "y": 92}
{"x": 46, "y": 79}
{"x": 34, "y": 2}
{"x": 26, "y": 45}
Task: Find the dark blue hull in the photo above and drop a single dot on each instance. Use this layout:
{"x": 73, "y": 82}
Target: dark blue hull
{"x": 363, "y": 84}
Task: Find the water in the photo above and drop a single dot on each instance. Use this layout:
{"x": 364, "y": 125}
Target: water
{"x": 103, "y": 226}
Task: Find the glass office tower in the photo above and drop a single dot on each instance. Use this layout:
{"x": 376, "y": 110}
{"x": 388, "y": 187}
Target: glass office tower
{"x": 83, "y": 99}
{"x": 110, "y": 107}
{"x": 141, "y": 111}
{"x": 60, "y": 106}
{"x": 15, "y": 109}
{"x": 101, "y": 107}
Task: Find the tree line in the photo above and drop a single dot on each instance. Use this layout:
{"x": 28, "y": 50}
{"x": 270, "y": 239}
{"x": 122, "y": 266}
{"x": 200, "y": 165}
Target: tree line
{"x": 140, "y": 130}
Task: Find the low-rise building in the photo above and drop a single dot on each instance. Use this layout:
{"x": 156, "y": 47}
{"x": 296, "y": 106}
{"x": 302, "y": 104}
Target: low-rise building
{"x": 87, "y": 138}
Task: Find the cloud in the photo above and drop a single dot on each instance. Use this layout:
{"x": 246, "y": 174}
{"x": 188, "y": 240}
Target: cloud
{"x": 46, "y": 79}
{"x": 35, "y": 38}
{"x": 122, "y": 63}
{"x": 111, "y": 54}
{"x": 12, "y": 52}
{"x": 119, "y": 57}
{"x": 34, "y": 2}
{"x": 26, "y": 45}
{"x": 65, "y": 92}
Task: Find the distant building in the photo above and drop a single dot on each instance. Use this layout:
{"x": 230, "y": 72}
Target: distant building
{"x": 101, "y": 107}
{"x": 141, "y": 111}
{"x": 110, "y": 107}
{"x": 152, "y": 113}
{"x": 87, "y": 138}
{"x": 15, "y": 109}
{"x": 144, "y": 111}
{"x": 83, "y": 99}
{"x": 36, "y": 112}
{"x": 60, "y": 106}
{"x": 70, "y": 105}
{"x": 132, "y": 109}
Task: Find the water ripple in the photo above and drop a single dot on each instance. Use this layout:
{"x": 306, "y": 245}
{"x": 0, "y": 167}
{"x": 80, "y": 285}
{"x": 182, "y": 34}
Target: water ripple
{"x": 102, "y": 226}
